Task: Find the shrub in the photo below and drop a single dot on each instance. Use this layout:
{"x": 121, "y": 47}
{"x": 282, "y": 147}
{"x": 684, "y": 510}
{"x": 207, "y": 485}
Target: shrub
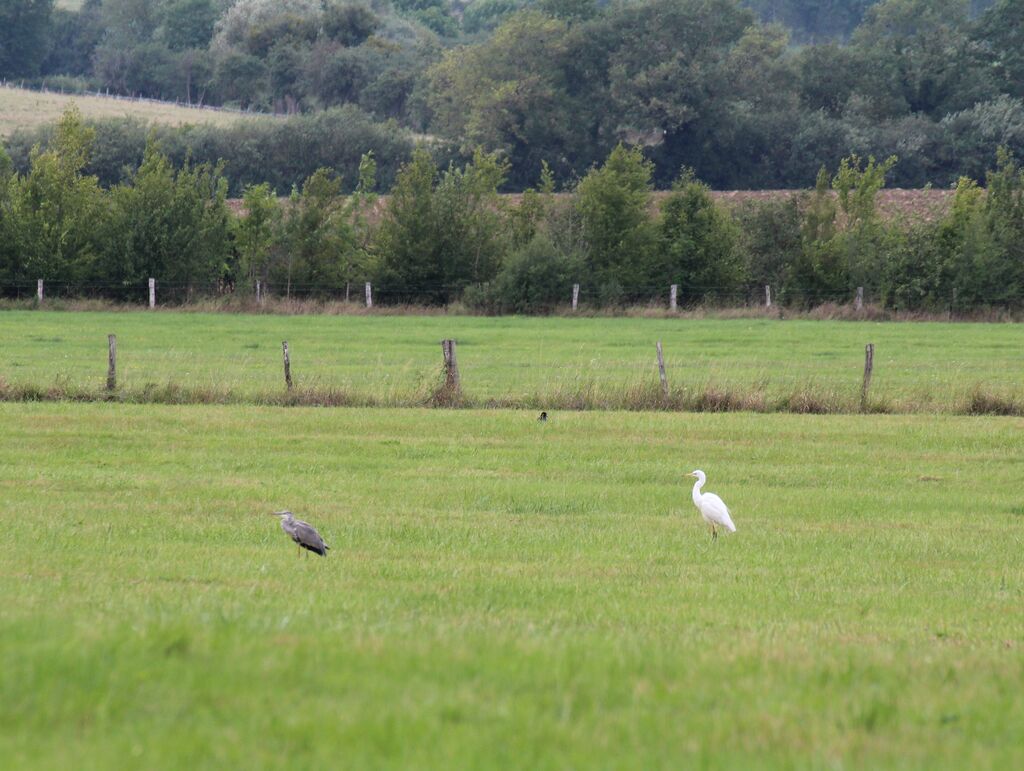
{"x": 536, "y": 278}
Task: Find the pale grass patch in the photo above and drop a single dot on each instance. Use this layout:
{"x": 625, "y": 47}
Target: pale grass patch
{"x": 27, "y": 109}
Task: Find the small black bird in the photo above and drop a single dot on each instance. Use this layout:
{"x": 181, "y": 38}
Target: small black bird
{"x": 543, "y": 418}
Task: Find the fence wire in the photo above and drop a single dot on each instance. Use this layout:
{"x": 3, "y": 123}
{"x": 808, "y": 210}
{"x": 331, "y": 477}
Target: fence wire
{"x": 177, "y": 293}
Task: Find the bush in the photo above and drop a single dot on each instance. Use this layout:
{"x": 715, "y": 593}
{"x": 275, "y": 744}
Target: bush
{"x": 536, "y": 278}
{"x": 280, "y": 152}
{"x": 769, "y": 239}
{"x": 698, "y": 244}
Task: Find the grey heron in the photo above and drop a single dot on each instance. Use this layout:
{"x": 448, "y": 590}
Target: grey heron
{"x": 303, "y": 533}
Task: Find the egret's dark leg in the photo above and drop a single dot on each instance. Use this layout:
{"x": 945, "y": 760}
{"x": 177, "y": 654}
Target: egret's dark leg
{"x": 714, "y": 533}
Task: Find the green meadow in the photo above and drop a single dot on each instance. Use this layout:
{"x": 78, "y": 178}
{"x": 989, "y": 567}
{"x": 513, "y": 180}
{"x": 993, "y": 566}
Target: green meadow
{"x": 929, "y": 367}
{"x": 504, "y": 593}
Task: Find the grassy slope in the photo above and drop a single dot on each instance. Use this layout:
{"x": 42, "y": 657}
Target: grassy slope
{"x": 26, "y": 109}
{"x": 506, "y": 593}
{"x": 927, "y": 364}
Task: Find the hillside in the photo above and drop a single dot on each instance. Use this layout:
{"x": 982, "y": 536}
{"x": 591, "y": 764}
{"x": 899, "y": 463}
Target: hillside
{"x": 749, "y": 94}
{"x": 26, "y": 109}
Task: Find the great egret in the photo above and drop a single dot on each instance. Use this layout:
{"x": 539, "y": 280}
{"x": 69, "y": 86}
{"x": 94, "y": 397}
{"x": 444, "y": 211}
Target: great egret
{"x": 303, "y": 533}
{"x": 710, "y": 506}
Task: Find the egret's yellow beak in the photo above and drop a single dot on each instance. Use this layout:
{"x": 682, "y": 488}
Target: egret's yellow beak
{"x": 691, "y": 474}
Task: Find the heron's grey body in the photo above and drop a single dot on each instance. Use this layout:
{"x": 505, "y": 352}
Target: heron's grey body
{"x": 303, "y": 533}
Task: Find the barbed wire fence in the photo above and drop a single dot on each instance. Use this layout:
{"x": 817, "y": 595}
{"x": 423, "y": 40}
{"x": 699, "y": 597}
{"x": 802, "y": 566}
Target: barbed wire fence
{"x": 581, "y": 297}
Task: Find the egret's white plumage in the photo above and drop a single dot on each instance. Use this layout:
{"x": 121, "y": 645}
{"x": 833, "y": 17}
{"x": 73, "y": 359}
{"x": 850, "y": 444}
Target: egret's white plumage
{"x": 710, "y": 506}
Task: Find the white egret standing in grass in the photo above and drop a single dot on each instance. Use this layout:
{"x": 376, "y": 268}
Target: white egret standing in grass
{"x": 710, "y": 506}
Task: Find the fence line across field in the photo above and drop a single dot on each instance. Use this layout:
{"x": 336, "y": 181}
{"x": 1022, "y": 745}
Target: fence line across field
{"x": 261, "y": 292}
{"x": 450, "y": 391}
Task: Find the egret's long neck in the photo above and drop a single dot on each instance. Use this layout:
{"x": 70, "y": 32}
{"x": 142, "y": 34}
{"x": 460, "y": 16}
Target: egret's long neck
{"x": 696, "y": 491}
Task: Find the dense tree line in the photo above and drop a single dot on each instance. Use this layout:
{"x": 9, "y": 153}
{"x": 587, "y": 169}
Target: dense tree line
{"x": 755, "y": 94}
{"x": 446, "y": 235}
{"x": 281, "y": 152}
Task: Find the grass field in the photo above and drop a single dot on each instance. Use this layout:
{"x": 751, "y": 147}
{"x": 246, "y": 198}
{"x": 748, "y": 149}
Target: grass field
{"x": 505, "y": 593}
{"x": 26, "y": 109}
{"x": 530, "y": 361}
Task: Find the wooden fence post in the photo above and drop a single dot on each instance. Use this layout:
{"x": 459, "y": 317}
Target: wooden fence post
{"x": 369, "y": 295}
{"x": 452, "y": 382}
{"x": 869, "y": 365}
{"x": 39, "y": 291}
{"x": 111, "y": 362}
{"x": 673, "y": 295}
{"x": 858, "y": 303}
{"x": 575, "y": 296}
{"x": 661, "y": 369}
{"x": 287, "y": 365}
{"x": 259, "y": 292}
{"x": 152, "y": 293}
{"x": 767, "y": 295}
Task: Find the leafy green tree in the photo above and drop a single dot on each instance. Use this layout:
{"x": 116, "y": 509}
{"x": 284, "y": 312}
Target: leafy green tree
{"x": 172, "y": 225}
{"x": 975, "y": 134}
{"x": 675, "y": 90}
{"x": 570, "y": 10}
{"x": 251, "y": 22}
{"x": 613, "y": 203}
{"x": 441, "y": 233}
{"x": 74, "y": 36}
{"x": 325, "y": 239}
{"x": 536, "y": 278}
{"x": 359, "y": 211}
{"x": 410, "y": 262}
{"x": 829, "y": 74}
{"x": 241, "y": 78}
{"x": 858, "y": 188}
{"x": 314, "y": 238}
{"x": 255, "y": 233}
{"x": 55, "y": 212}
{"x": 349, "y": 23}
{"x": 485, "y": 15}
{"x": 820, "y": 273}
{"x": 769, "y": 239}
{"x": 914, "y": 277}
{"x": 863, "y": 239}
{"x": 698, "y": 244}
{"x": 24, "y": 28}
{"x": 186, "y": 24}
{"x": 813, "y": 21}
{"x": 988, "y": 260}
{"x": 920, "y": 56}
{"x": 9, "y": 261}
{"x": 531, "y": 216}
{"x": 512, "y": 94}
{"x": 1000, "y": 35}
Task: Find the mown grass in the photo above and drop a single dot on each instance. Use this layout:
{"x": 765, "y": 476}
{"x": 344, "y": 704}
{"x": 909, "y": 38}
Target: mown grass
{"x": 588, "y": 363}
{"x": 26, "y": 109}
{"x": 506, "y": 593}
